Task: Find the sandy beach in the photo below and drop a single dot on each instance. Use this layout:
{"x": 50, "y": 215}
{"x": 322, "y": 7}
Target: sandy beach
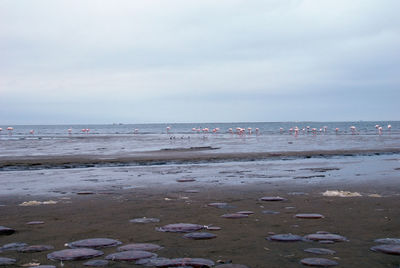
{"x": 100, "y": 202}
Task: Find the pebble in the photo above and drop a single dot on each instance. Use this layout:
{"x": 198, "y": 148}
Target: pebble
{"x": 272, "y": 198}
{"x": 285, "y": 238}
{"x": 246, "y": 212}
{"x": 74, "y": 254}
{"x": 35, "y": 248}
{"x": 234, "y": 216}
{"x": 388, "y": 240}
{"x": 185, "y": 180}
{"x": 195, "y": 262}
{"x": 321, "y": 251}
{"x": 393, "y": 249}
{"x": 231, "y": 265}
{"x": 12, "y": 246}
{"x": 96, "y": 263}
{"x": 94, "y": 243}
{"x": 220, "y": 205}
{"x": 144, "y": 220}
{"x": 200, "y": 235}
{"x": 319, "y": 262}
{"x": 6, "y": 261}
{"x": 153, "y": 261}
{"x": 43, "y": 266}
{"x": 130, "y": 255}
{"x": 180, "y": 228}
{"x": 270, "y": 212}
{"x": 6, "y": 230}
{"x": 331, "y": 237}
{"x": 140, "y": 246}
{"x": 309, "y": 216}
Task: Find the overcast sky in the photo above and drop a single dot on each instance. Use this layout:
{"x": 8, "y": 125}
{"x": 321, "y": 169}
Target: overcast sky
{"x": 144, "y": 61}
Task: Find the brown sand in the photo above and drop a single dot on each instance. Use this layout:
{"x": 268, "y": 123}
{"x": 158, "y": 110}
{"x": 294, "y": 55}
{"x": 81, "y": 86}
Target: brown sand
{"x": 242, "y": 241}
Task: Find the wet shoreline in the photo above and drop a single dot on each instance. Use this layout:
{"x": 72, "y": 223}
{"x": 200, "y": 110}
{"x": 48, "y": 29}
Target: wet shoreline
{"x": 190, "y": 155}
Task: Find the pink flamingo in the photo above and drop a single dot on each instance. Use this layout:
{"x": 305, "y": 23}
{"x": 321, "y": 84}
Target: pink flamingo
{"x": 69, "y": 131}
{"x": 168, "y": 129}
{"x": 380, "y": 130}
{"x": 249, "y": 129}
{"x": 257, "y": 131}
{"x": 10, "y": 130}
{"x": 281, "y": 130}
{"x": 353, "y": 130}
{"x": 136, "y": 131}
{"x": 389, "y": 127}
{"x": 336, "y": 130}
{"x": 230, "y": 130}
{"x": 1, "y": 129}
{"x": 32, "y": 131}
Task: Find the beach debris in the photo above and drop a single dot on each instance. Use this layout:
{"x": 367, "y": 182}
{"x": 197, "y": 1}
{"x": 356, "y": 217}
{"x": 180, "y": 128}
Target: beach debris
{"x": 31, "y": 264}
{"x": 180, "y": 228}
{"x": 272, "y": 198}
{"x": 285, "y": 238}
{"x": 185, "y": 180}
{"x": 96, "y": 263}
{"x": 35, "y": 222}
{"x": 140, "y": 246}
{"x": 341, "y": 193}
{"x": 7, "y": 261}
{"x": 12, "y": 246}
{"x": 37, "y": 203}
{"x": 246, "y": 212}
{"x": 130, "y": 255}
{"x": 325, "y": 237}
{"x": 309, "y": 216}
{"x": 321, "y": 251}
{"x": 393, "y": 249}
{"x": 94, "y": 243}
{"x": 319, "y": 262}
{"x": 231, "y": 265}
{"x": 199, "y": 235}
{"x": 74, "y": 254}
{"x": 235, "y": 216}
{"x": 213, "y": 228}
{"x": 375, "y": 195}
{"x": 35, "y": 248}
{"x": 220, "y": 205}
{"x": 144, "y": 220}
{"x": 270, "y": 212}
{"x": 388, "y": 241}
{"x": 6, "y": 230}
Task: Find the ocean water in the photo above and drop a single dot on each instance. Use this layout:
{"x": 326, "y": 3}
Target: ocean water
{"x": 128, "y": 139}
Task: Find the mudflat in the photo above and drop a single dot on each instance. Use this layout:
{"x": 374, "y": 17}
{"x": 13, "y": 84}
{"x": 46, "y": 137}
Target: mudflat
{"x": 359, "y": 209}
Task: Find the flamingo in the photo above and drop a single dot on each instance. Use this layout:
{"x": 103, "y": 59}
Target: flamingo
{"x": 136, "y": 131}
{"x": 230, "y": 130}
{"x": 389, "y": 127}
{"x": 1, "y": 129}
{"x": 281, "y": 129}
{"x": 380, "y": 130}
{"x": 168, "y": 129}
{"x": 10, "y": 129}
{"x": 249, "y": 130}
{"x": 257, "y": 131}
{"x": 336, "y": 130}
{"x": 69, "y": 131}
{"x": 32, "y": 131}
{"x": 353, "y": 129}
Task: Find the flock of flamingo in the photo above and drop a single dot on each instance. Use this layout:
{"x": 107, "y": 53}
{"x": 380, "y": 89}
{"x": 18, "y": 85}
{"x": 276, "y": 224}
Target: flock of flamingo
{"x": 239, "y": 131}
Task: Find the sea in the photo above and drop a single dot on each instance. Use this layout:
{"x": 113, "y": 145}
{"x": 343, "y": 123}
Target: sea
{"x": 237, "y": 137}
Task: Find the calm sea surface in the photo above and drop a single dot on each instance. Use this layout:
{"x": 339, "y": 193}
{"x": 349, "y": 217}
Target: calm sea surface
{"x": 126, "y": 139}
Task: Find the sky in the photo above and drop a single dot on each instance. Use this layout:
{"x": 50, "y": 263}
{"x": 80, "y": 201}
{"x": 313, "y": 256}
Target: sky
{"x": 171, "y": 61}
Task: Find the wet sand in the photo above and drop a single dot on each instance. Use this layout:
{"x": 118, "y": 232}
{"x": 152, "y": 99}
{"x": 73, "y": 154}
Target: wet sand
{"x": 105, "y": 212}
